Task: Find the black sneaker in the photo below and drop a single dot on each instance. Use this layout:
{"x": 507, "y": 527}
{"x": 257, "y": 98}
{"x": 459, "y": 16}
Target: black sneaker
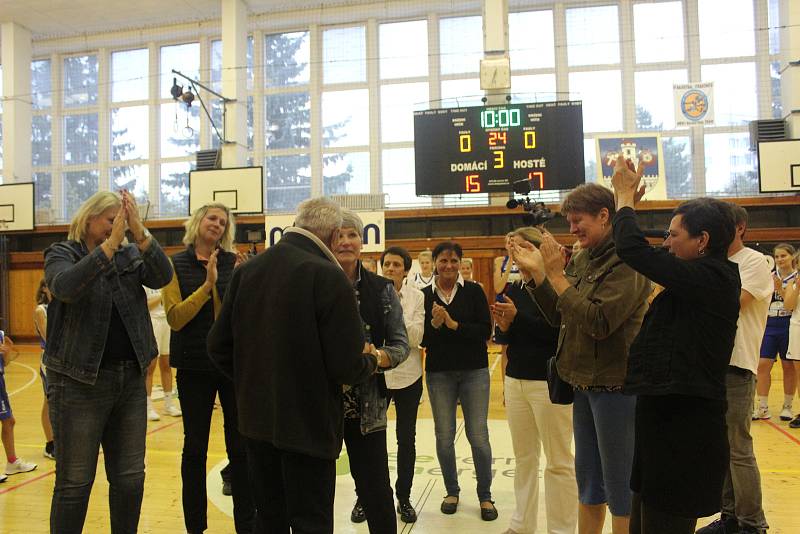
{"x": 358, "y": 515}
{"x": 726, "y": 524}
{"x": 795, "y": 422}
{"x": 407, "y": 512}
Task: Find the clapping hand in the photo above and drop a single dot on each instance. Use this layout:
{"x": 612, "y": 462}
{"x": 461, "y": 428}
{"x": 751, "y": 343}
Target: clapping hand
{"x": 554, "y": 256}
{"x": 211, "y": 271}
{"x": 528, "y": 259}
{"x": 628, "y": 189}
{"x": 504, "y": 313}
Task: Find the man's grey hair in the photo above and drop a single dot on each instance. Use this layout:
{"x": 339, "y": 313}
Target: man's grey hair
{"x": 321, "y": 216}
{"x": 350, "y": 219}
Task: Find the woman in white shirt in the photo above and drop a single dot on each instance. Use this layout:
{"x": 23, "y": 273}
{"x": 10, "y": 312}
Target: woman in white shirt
{"x": 791, "y": 295}
{"x": 405, "y": 381}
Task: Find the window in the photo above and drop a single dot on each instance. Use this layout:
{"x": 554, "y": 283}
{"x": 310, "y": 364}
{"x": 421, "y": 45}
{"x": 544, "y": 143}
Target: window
{"x": 533, "y": 88}
{"x": 456, "y": 93}
{"x": 184, "y": 58}
{"x": 398, "y": 178}
{"x": 531, "y": 41}
{"x": 80, "y": 81}
{"x": 41, "y": 93}
{"x": 601, "y": 93}
{"x": 78, "y": 186}
{"x": 44, "y": 191}
{"x": 398, "y": 104}
{"x": 41, "y": 136}
{"x": 678, "y": 166}
{"x": 134, "y": 178}
{"x": 180, "y": 130}
{"x": 655, "y": 107}
{"x": 345, "y": 55}
{"x": 726, "y": 32}
{"x": 287, "y": 56}
{"x": 129, "y": 132}
{"x": 80, "y": 139}
{"x": 403, "y": 49}
{"x": 345, "y": 118}
{"x": 730, "y": 166}
{"x": 174, "y": 190}
{"x": 592, "y": 35}
{"x": 735, "y": 92}
{"x": 659, "y": 32}
{"x": 288, "y": 181}
{"x": 216, "y": 64}
{"x": 460, "y": 44}
{"x": 345, "y": 173}
{"x": 288, "y": 120}
{"x": 130, "y": 72}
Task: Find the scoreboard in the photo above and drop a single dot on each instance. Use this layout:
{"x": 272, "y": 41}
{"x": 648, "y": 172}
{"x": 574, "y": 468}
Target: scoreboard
{"x": 486, "y": 149}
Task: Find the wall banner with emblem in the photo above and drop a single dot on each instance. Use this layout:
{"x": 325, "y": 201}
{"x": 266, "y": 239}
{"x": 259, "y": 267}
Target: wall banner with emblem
{"x": 694, "y": 104}
{"x": 641, "y": 149}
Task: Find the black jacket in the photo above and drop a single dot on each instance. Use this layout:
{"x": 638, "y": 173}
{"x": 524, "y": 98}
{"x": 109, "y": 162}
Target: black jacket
{"x": 530, "y": 338}
{"x": 187, "y": 346}
{"x": 289, "y": 334}
{"x": 463, "y": 349}
{"x": 685, "y": 343}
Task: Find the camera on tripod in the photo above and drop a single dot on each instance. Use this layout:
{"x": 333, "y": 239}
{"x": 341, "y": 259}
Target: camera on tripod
{"x": 537, "y": 213}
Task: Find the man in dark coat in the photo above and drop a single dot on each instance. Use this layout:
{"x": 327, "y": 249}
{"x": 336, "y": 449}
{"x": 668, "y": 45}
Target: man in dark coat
{"x": 289, "y": 334}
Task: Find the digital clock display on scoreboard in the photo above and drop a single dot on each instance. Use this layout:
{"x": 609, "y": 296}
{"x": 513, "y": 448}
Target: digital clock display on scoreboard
{"x": 486, "y": 149}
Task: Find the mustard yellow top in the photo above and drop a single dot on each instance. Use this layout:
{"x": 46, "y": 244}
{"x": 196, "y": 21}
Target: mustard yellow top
{"x": 181, "y": 311}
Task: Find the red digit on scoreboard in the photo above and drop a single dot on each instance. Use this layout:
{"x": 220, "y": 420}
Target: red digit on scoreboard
{"x": 537, "y": 176}
{"x": 472, "y": 183}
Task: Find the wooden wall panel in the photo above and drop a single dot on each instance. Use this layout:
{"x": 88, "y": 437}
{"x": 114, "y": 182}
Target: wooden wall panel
{"x": 23, "y": 284}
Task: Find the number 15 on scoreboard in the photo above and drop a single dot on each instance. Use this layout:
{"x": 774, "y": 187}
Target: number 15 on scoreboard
{"x": 472, "y": 183}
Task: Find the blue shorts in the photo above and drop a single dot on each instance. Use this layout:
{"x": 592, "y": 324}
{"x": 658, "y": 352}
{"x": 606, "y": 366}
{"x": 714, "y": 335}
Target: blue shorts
{"x": 603, "y": 424}
{"x": 5, "y": 405}
{"x": 775, "y": 342}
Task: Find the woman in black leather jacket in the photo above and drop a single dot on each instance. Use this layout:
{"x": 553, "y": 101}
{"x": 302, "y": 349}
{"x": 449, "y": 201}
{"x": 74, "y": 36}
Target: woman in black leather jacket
{"x": 678, "y": 362}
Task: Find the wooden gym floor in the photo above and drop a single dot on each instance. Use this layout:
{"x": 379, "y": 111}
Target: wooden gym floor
{"x": 25, "y": 498}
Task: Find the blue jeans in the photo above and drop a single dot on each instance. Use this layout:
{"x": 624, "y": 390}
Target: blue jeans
{"x": 112, "y": 412}
{"x": 603, "y": 424}
{"x": 445, "y": 389}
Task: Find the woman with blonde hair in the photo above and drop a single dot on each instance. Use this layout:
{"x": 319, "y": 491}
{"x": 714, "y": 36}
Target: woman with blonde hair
{"x": 535, "y": 422}
{"x": 192, "y": 301}
{"x": 99, "y": 345}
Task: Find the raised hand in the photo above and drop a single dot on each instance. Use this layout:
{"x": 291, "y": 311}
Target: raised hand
{"x": 132, "y": 215}
{"x": 628, "y": 189}
{"x": 118, "y": 228}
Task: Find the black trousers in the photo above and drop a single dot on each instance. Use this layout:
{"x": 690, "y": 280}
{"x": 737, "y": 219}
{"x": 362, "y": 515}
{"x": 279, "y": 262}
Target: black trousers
{"x": 369, "y": 465}
{"x": 406, "y": 405}
{"x": 197, "y": 391}
{"x": 291, "y": 490}
{"x": 648, "y": 520}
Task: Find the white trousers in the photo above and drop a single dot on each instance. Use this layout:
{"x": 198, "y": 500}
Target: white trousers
{"x": 536, "y": 423}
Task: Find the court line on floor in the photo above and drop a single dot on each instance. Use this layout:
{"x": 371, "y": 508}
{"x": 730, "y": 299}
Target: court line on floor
{"x": 782, "y": 431}
{"x": 52, "y": 471}
{"x": 421, "y": 501}
{"x": 31, "y": 381}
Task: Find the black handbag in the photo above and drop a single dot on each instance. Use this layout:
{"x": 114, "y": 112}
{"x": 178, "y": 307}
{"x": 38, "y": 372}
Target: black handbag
{"x": 560, "y": 392}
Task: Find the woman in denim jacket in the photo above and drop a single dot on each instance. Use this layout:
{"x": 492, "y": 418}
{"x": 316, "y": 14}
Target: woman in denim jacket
{"x": 599, "y": 302}
{"x": 99, "y": 345}
{"x": 365, "y": 404}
